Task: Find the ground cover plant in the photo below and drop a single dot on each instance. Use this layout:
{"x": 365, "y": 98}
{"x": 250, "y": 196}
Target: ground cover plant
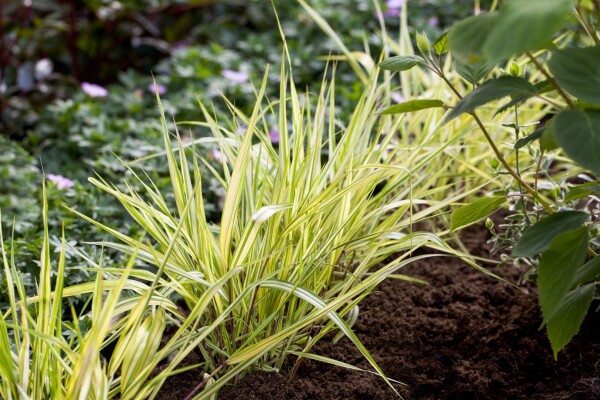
{"x": 553, "y": 231}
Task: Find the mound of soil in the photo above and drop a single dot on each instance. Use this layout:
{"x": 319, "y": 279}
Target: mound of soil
{"x": 463, "y": 336}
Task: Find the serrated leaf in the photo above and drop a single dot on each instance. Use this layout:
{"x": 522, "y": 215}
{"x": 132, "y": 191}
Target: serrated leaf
{"x": 542, "y": 87}
{"x": 471, "y": 213}
{"x": 412, "y": 105}
{"x": 578, "y": 71}
{"x": 567, "y": 320}
{"x": 565, "y": 254}
{"x": 441, "y": 44}
{"x": 491, "y": 90}
{"x": 588, "y": 272}
{"x": 474, "y": 72}
{"x": 578, "y": 133}
{"x": 583, "y": 190}
{"x": 401, "y": 63}
{"x": 467, "y": 37}
{"x": 525, "y": 25}
{"x": 537, "y": 238}
{"x": 529, "y": 138}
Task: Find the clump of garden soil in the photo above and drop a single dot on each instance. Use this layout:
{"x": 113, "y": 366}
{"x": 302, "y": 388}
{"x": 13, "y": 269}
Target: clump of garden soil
{"x": 464, "y": 336}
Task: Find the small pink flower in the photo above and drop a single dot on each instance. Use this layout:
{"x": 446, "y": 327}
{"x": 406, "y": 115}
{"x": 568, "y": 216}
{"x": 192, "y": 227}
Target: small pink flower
{"x": 274, "y": 135}
{"x": 235, "y": 76}
{"x": 392, "y": 12}
{"x": 93, "y": 90}
{"x": 60, "y": 181}
{"x": 241, "y": 130}
{"x": 157, "y": 87}
{"x": 393, "y": 8}
{"x": 433, "y": 21}
{"x": 397, "y": 97}
{"x": 217, "y": 156}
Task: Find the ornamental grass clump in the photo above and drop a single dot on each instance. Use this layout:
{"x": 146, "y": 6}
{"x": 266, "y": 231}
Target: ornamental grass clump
{"x": 310, "y": 225}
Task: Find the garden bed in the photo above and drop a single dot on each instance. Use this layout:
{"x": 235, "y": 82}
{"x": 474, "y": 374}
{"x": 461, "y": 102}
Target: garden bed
{"x": 464, "y": 336}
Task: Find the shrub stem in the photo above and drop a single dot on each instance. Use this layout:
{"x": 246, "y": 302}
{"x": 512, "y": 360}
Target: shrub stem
{"x": 508, "y": 168}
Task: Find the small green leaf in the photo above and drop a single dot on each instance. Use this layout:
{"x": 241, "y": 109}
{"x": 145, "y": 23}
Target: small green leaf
{"x": 412, "y": 105}
{"x": 525, "y": 25}
{"x": 583, "y": 190}
{"x": 528, "y": 139}
{"x": 537, "y": 238}
{"x": 474, "y": 72}
{"x": 548, "y": 140}
{"x": 578, "y": 71}
{"x": 471, "y": 213}
{"x": 557, "y": 268}
{"x": 401, "y": 63}
{"x": 441, "y": 45}
{"x": 588, "y": 272}
{"x": 467, "y": 37}
{"x": 578, "y": 133}
{"x": 567, "y": 320}
{"x": 423, "y": 44}
{"x": 492, "y": 90}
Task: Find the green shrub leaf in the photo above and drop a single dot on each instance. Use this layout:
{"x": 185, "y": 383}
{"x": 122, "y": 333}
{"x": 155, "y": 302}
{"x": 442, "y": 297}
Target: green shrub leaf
{"x": 492, "y": 90}
{"x": 568, "y": 318}
{"x": 529, "y": 138}
{"x": 401, "y": 63}
{"x": 537, "y": 238}
{"x": 542, "y": 87}
{"x": 578, "y": 71}
{"x": 467, "y": 37}
{"x": 557, "y": 268}
{"x": 578, "y": 133}
{"x": 587, "y": 273}
{"x": 412, "y": 105}
{"x": 471, "y": 213}
{"x": 525, "y": 25}
{"x": 474, "y": 72}
{"x": 583, "y": 190}
{"x": 441, "y": 45}
{"x": 548, "y": 139}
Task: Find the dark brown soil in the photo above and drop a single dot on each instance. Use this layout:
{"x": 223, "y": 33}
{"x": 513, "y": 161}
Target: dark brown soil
{"x": 464, "y": 336}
